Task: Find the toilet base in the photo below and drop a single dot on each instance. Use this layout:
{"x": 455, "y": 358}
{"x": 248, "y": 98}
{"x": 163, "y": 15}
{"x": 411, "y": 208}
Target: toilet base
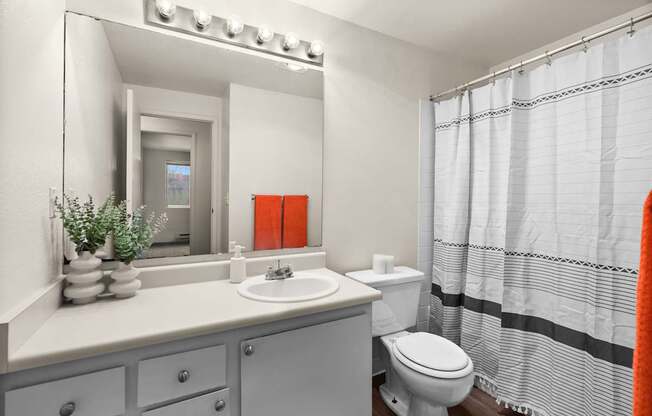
{"x": 394, "y": 403}
{"x": 422, "y": 408}
{"x": 412, "y": 408}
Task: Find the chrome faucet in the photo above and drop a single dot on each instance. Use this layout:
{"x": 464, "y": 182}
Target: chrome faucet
{"x": 279, "y": 273}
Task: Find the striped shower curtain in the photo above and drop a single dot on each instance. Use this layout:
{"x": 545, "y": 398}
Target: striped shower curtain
{"x": 539, "y": 184}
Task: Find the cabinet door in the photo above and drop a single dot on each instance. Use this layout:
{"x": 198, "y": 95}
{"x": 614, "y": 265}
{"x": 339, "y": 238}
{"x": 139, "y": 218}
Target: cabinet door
{"x": 318, "y": 370}
{"x": 95, "y": 394}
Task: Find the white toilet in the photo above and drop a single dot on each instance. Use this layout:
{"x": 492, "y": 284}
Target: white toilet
{"x": 425, "y": 372}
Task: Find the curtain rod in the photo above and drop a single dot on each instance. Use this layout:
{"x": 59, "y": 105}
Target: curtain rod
{"x": 584, "y": 40}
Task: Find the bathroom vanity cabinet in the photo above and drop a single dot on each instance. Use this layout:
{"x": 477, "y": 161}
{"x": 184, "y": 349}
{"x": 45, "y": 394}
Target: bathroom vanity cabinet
{"x": 318, "y": 363}
{"x": 318, "y": 370}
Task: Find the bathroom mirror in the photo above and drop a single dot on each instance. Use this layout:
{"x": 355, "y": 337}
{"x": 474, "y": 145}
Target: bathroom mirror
{"x": 227, "y": 144}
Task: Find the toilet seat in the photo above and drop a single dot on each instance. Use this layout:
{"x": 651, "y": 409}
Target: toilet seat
{"x": 432, "y": 355}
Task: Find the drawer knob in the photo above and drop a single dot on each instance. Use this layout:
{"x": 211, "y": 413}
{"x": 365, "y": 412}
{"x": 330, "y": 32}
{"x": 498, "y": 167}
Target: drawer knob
{"x": 249, "y": 350}
{"x": 220, "y": 405}
{"x": 183, "y": 376}
{"x": 67, "y": 409}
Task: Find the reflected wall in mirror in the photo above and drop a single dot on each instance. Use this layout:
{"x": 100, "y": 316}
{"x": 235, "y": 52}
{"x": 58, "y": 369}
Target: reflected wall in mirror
{"x": 228, "y": 144}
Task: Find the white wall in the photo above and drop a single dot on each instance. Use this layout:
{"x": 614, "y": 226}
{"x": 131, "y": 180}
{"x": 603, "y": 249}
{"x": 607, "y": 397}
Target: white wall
{"x": 224, "y": 171}
{"x": 94, "y": 128}
{"x": 133, "y": 152}
{"x": 31, "y": 145}
{"x": 154, "y": 191}
{"x": 275, "y": 148}
{"x": 200, "y": 207}
{"x": 426, "y": 209}
{"x": 372, "y": 86}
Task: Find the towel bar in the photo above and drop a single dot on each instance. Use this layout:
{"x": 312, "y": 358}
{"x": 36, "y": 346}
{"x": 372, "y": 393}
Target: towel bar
{"x": 253, "y": 197}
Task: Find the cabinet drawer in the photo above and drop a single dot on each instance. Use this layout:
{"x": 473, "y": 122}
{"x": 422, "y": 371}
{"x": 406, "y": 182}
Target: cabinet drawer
{"x": 178, "y": 375}
{"x": 94, "y": 394}
{"x": 212, "y": 404}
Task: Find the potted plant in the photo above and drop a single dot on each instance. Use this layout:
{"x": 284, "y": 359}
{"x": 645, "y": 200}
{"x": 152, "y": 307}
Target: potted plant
{"x": 87, "y": 227}
{"x": 132, "y": 235}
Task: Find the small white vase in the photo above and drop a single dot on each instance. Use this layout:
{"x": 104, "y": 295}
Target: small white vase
{"x": 126, "y": 285}
{"x": 84, "y": 279}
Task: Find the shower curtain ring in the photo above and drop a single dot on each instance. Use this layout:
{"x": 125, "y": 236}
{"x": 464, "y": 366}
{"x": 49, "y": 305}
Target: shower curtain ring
{"x": 521, "y": 70}
{"x": 493, "y": 79}
{"x": 631, "y": 27}
{"x": 548, "y": 60}
{"x": 585, "y": 45}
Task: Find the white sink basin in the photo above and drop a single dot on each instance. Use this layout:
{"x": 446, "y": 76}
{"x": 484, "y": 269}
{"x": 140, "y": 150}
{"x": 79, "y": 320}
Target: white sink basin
{"x": 300, "y": 288}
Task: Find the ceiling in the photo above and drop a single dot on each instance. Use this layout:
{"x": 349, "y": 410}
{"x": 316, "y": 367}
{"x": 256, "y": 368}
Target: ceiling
{"x": 487, "y": 32}
{"x": 145, "y": 57}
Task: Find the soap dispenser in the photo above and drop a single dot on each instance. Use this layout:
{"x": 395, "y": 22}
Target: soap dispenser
{"x": 238, "y": 269}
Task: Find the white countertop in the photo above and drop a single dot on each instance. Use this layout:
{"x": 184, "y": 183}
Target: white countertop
{"x": 166, "y": 314}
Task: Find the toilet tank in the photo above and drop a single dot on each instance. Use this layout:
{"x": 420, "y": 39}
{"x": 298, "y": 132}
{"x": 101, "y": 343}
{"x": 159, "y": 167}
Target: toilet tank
{"x": 397, "y": 310}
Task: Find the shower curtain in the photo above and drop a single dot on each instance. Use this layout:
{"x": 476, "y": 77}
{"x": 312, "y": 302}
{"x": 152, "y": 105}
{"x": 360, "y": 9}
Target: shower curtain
{"x": 540, "y": 180}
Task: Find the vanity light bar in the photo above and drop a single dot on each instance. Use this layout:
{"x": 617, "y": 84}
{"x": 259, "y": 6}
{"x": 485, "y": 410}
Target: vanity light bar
{"x": 232, "y": 31}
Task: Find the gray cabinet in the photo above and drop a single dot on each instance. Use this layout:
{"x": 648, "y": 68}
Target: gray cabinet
{"x": 211, "y": 404}
{"x": 317, "y": 370}
{"x": 96, "y": 394}
{"x": 318, "y": 364}
{"x": 178, "y": 375}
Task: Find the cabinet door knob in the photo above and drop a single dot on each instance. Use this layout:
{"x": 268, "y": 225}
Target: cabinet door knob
{"x": 220, "y": 405}
{"x": 249, "y": 349}
{"x": 183, "y": 376}
{"x": 67, "y": 409}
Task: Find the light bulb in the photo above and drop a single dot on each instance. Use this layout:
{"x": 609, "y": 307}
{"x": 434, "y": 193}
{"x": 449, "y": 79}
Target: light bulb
{"x": 291, "y": 41}
{"x": 265, "y": 34}
{"x": 166, "y": 8}
{"x": 296, "y": 67}
{"x": 202, "y": 18}
{"x": 316, "y": 48}
{"x": 234, "y": 26}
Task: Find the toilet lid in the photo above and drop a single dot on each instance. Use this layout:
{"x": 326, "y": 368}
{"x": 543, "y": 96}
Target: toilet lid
{"x": 432, "y": 351}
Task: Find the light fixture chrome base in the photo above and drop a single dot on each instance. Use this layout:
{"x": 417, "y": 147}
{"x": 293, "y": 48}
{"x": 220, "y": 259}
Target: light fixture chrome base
{"x": 183, "y": 21}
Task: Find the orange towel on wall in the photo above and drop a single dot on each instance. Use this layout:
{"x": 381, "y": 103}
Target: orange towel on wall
{"x": 267, "y": 222}
{"x": 295, "y": 221}
{"x": 643, "y": 348}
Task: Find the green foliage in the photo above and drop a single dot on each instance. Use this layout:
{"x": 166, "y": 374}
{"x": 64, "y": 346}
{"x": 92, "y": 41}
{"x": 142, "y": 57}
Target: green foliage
{"x": 133, "y": 232}
{"x": 87, "y": 226}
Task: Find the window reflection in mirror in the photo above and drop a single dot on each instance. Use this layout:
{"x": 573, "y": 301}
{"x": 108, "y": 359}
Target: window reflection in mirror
{"x": 197, "y": 131}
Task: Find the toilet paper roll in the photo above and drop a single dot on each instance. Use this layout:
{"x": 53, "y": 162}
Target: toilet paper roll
{"x": 382, "y": 264}
{"x": 378, "y": 264}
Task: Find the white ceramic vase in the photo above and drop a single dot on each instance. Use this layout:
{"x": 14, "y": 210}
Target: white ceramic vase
{"x": 84, "y": 279}
{"x": 125, "y": 285}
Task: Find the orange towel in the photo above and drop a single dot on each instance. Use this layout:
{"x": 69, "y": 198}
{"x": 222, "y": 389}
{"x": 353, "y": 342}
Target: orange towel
{"x": 295, "y": 221}
{"x": 643, "y": 350}
{"x": 267, "y": 222}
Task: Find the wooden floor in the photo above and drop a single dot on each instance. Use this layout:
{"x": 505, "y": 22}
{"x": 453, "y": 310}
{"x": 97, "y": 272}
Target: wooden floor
{"x": 477, "y": 404}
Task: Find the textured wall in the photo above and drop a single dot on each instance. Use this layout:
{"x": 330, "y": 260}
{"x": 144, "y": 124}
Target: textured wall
{"x": 31, "y": 145}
